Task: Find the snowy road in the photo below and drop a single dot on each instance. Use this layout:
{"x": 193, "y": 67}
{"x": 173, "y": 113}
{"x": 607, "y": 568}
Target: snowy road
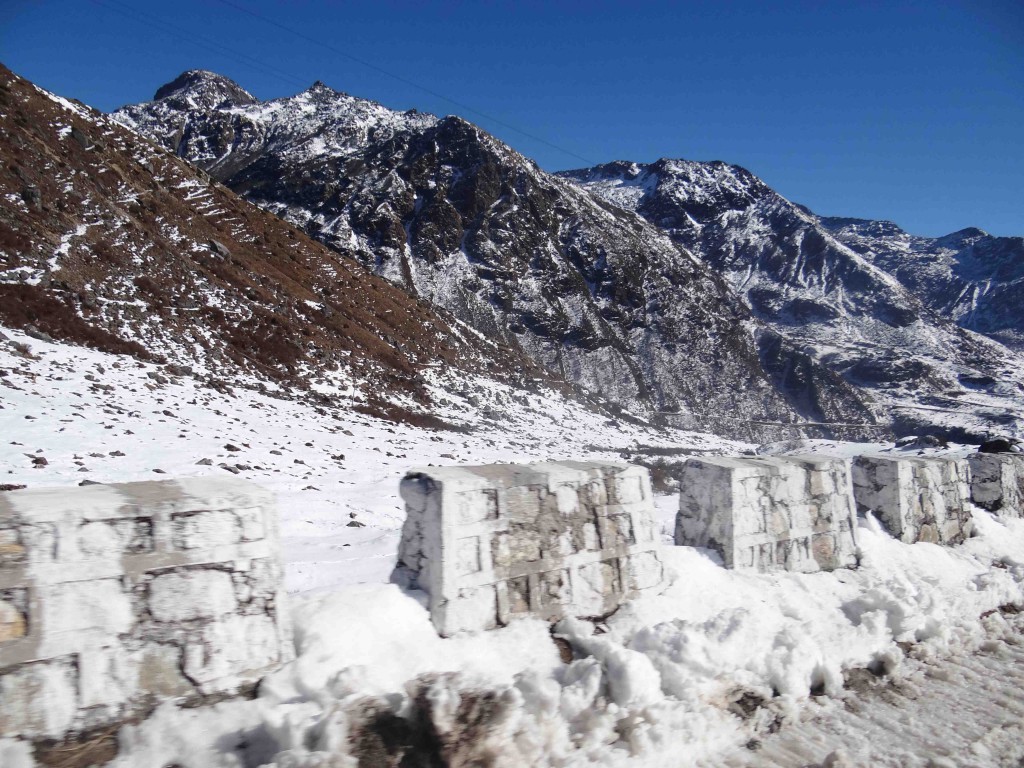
{"x": 962, "y": 710}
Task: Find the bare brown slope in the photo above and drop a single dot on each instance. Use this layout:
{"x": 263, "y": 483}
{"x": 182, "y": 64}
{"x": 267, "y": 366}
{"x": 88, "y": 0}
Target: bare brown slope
{"x": 110, "y": 241}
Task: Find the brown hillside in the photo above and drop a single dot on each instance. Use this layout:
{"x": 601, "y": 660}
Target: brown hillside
{"x": 111, "y": 241}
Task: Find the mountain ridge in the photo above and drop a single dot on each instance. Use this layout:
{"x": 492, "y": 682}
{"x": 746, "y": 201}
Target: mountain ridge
{"x": 451, "y": 214}
{"x": 616, "y": 290}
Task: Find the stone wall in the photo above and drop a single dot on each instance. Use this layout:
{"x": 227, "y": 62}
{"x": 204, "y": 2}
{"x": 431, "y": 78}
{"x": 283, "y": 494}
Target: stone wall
{"x": 997, "y": 482}
{"x": 765, "y": 513}
{"x": 491, "y": 543}
{"x": 916, "y": 499}
{"x": 113, "y": 597}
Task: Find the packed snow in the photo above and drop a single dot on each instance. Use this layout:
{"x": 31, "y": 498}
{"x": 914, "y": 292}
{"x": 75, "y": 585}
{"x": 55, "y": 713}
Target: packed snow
{"x": 718, "y": 667}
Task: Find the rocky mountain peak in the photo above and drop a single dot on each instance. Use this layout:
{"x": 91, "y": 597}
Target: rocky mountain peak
{"x": 962, "y": 237}
{"x": 201, "y": 89}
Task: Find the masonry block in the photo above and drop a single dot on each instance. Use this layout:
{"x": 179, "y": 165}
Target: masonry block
{"x": 997, "y": 482}
{"x": 917, "y": 499}
{"x": 491, "y": 543}
{"x": 112, "y": 596}
{"x": 792, "y": 513}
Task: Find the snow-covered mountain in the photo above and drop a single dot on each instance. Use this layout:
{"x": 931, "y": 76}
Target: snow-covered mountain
{"x": 436, "y": 205}
{"x": 153, "y": 323}
{"x": 110, "y": 241}
{"x": 814, "y": 287}
{"x": 970, "y": 276}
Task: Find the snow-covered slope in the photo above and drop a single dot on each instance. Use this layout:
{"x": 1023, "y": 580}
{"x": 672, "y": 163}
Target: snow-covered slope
{"x": 970, "y": 276}
{"x": 843, "y": 309}
{"x": 439, "y": 207}
{"x": 704, "y": 674}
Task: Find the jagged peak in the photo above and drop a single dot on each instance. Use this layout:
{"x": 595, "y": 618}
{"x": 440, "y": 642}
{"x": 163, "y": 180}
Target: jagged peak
{"x": 968, "y": 233}
{"x": 204, "y": 87}
{"x": 320, "y": 88}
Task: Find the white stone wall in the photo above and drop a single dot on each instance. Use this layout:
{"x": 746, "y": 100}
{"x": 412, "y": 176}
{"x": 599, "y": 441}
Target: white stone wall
{"x": 491, "y": 543}
{"x": 916, "y": 499}
{"x": 997, "y": 482}
{"x": 113, "y": 597}
{"x": 792, "y": 513}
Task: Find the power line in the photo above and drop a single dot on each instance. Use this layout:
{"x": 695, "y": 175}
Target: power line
{"x": 198, "y": 40}
{"x": 406, "y": 81}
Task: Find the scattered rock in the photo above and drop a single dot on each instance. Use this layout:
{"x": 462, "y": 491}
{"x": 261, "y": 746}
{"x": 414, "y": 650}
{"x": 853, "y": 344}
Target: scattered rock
{"x": 11, "y": 487}
{"x": 921, "y": 441}
{"x": 355, "y": 524}
{"x": 159, "y": 471}
{"x": 219, "y": 248}
{"x": 39, "y": 461}
{"x": 82, "y": 138}
{"x": 158, "y": 378}
{"x": 232, "y": 448}
{"x": 33, "y": 197}
{"x": 89, "y": 482}
{"x": 1002, "y": 445}
{"x": 35, "y": 333}
{"x": 205, "y": 462}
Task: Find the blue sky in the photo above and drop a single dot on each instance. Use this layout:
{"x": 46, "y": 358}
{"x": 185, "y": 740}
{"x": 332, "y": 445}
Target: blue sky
{"x": 907, "y": 111}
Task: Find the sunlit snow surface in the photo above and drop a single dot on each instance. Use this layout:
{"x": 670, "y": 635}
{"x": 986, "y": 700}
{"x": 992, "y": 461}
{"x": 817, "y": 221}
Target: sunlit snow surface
{"x": 653, "y": 688}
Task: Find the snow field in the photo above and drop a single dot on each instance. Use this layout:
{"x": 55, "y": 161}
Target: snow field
{"x": 682, "y": 678}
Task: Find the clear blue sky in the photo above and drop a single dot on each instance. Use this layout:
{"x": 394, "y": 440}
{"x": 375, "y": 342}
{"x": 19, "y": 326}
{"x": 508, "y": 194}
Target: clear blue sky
{"x": 909, "y": 111}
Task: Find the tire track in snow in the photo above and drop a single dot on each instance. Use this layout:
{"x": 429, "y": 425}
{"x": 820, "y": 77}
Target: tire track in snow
{"x": 963, "y": 710}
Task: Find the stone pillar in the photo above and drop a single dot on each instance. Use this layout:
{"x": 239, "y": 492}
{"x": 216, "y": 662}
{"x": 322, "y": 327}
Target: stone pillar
{"x": 114, "y": 597}
{"x": 491, "y": 543}
{"x": 997, "y": 482}
{"x": 917, "y": 499}
{"x": 791, "y": 513}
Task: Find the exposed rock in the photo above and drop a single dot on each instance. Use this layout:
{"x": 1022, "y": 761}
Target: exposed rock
{"x": 220, "y": 249}
{"x": 82, "y": 138}
{"x": 1001, "y": 445}
{"x": 33, "y": 197}
{"x": 35, "y": 333}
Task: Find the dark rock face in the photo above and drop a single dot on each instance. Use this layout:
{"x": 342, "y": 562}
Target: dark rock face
{"x": 204, "y": 88}
{"x": 805, "y": 280}
{"x": 1001, "y": 445}
{"x": 592, "y": 292}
